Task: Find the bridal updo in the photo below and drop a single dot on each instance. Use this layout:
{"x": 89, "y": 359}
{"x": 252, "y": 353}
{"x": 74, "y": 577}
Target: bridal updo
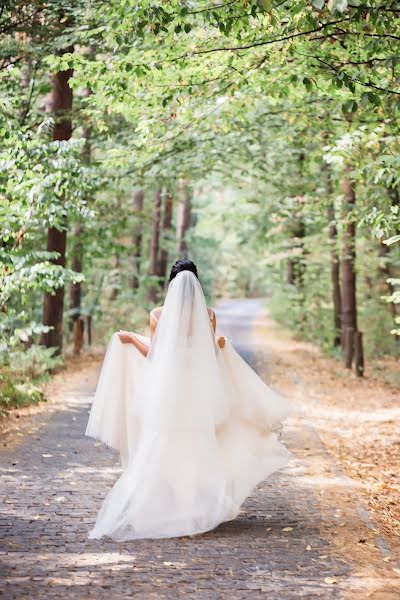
{"x": 182, "y": 264}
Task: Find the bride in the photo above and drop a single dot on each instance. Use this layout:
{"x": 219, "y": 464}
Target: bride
{"x": 195, "y": 426}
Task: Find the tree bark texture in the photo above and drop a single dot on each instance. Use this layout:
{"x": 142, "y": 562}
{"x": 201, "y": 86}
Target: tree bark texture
{"x": 349, "y": 300}
{"x": 75, "y": 290}
{"x": 335, "y": 280}
{"x": 53, "y": 305}
{"x": 335, "y": 263}
{"x": 138, "y": 202}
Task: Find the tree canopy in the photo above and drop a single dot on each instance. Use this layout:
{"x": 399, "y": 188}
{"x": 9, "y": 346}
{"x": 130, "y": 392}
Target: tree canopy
{"x": 265, "y": 133}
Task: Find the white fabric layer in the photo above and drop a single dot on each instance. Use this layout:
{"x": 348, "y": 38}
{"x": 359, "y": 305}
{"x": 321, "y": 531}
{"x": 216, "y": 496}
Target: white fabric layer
{"x": 196, "y": 427}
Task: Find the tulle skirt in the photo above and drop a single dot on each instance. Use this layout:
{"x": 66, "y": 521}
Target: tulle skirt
{"x": 182, "y": 476}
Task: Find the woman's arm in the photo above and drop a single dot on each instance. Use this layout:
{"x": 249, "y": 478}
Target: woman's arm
{"x": 220, "y": 338}
{"x": 127, "y": 337}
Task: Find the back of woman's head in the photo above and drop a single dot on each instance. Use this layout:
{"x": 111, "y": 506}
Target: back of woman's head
{"x": 182, "y": 264}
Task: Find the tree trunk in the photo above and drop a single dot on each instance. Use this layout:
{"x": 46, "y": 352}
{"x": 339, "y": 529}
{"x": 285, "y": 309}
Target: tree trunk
{"x": 27, "y": 88}
{"x": 138, "y": 201}
{"x": 183, "y": 222}
{"x": 335, "y": 266}
{"x": 75, "y": 291}
{"x": 89, "y": 329}
{"x": 359, "y": 354}
{"x": 349, "y": 347}
{"x": 166, "y": 228}
{"x": 77, "y": 250}
{"x": 155, "y": 242}
{"x": 53, "y": 305}
{"x": 290, "y": 271}
{"x": 79, "y": 328}
{"x": 116, "y": 283}
{"x": 296, "y": 264}
{"x": 349, "y": 301}
{"x": 299, "y": 267}
{"x": 335, "y": 280}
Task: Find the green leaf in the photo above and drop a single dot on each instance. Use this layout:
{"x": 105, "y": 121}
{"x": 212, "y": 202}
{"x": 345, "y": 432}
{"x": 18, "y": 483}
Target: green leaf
{"x": 374, "y": 98}
{"x": 392, "y": 240}
{"x": 350, "y": 106}
{"x": 337, "y": 5}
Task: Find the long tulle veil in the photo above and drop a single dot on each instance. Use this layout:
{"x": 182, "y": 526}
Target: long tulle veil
{"x": 183, "y": 386}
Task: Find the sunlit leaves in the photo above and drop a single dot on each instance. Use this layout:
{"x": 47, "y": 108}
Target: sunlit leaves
{"x": 338, "y": 5}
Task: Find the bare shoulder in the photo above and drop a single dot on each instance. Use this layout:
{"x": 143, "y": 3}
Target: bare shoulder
{"x": 156, "y": 312}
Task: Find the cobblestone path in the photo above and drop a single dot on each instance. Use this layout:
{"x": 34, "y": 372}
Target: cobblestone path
{"x": 303, "y": 533}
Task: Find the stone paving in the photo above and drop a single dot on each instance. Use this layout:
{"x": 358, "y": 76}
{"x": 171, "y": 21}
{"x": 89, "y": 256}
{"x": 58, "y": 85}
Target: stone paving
{"x": 285, "y": 544}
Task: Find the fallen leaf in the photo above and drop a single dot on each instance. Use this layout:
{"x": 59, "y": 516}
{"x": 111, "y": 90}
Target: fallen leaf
{"x": 287, "y": 529}
{"x": 330, "y": 580}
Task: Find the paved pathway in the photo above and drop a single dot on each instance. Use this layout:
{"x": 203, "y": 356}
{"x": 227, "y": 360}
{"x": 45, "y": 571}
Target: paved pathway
{"x": 294, "y": 537}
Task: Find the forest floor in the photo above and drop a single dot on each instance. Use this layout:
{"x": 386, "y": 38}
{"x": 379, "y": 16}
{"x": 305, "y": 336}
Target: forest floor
{"x": 357, "y": 418}
{"x": 323, "y": 527}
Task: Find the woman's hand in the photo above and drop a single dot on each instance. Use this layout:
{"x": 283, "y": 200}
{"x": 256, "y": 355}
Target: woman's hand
{"x": 126, "y": 337}
{"x": 221, "y": 341}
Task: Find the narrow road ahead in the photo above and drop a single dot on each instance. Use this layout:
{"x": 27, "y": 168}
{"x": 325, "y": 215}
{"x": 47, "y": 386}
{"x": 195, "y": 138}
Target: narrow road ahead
{"x": 297, "y": 536}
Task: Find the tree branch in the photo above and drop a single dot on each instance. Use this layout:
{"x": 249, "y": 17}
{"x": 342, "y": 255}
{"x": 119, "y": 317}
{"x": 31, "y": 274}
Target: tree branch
{"x": 269, "y": 42}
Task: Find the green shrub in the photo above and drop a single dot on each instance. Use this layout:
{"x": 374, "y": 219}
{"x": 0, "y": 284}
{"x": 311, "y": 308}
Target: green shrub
{"x": 21, "y": 374}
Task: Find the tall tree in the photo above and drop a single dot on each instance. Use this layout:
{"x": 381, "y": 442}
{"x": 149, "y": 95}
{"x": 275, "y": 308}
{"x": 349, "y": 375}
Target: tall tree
{"x": 53, "y": 304}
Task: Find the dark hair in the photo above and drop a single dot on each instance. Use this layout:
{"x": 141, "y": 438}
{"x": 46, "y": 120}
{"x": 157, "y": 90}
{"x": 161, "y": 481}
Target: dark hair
{"x": 182, "y": 264}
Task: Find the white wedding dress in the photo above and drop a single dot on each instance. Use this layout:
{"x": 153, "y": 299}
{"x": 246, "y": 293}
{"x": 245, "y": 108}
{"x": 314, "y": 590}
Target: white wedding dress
{"x": 196, "y": 427}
